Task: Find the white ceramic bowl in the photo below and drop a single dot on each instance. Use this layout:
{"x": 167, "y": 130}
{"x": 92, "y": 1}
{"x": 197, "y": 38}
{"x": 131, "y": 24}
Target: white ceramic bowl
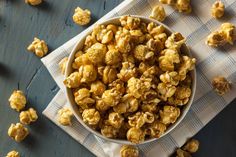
{"x": 74, "y": 107}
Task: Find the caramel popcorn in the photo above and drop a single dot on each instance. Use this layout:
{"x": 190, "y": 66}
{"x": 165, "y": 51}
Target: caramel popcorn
{"x": 91, "y": 116}
{"x": 135, "y": 135}
{"x": 139, "y": 119}
{"x": 187, "y": 65}
{"x": 218, "y": 9}
{"x": 129, "y": 151}
{"x": 158, "y": 13}
{"x": 62, "y": 65}
{"x": 115, "y": 120}
{"x": 33, "y": 2}
{"x": 183, "y": 6}
{"x": 74, "y": 80}
{"x": 18, "y": 132}
{"x": 169, "y": 114}
{"x": 109, "y": 131}
{"x": 166, "y": 62}
{"x": 29, "y": 116}
{"x": 191, "y": 146}
{"x": 13, "y": 153}
{"x": 156, "y": 129}
{"x": 97, "y": 88}
{"x": 17, "y": 100}
{"x": 221, "y": 85}
{"x": 39, "y": 47}
{"x": 81, "y": 17}
{"x": 127, "y": 71}
{"x": 182, "y": 153}
{"x": 175, "y": 41}
{"x": 64, "y": 116}
{"x": 82, "y": 98}
{"x": 113, "y": 57}
{"x": 130, "y": 79}
{"x": 96, "y": 53}
{"x": 225, "y": 34}
{"x": 171, "y": 78}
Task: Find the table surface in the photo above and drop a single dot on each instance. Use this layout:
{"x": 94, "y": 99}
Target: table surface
{"x": 52, "y": 21}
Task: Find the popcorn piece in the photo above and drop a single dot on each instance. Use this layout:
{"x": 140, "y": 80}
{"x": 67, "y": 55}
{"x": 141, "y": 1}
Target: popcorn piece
{"x": 226, "y": 34}
{"x": 91, "y": 116}
{"x": 33, "y": 2}
{"x": 129, "y": 151}
{"x": 155, "y": 30}
{"x": 127, "y": 71}
{"x": 62, "y": 65}
{"x": 156, "y": 129}
{"x": 81, "y": 17}
{"x": 175, "y": 41}
{"x": 158, "y": 13}
{"x": 142, "y": 53}
{"x": 88, "y": 73}
{"x": 137, "y": 36}
{"x": 18, "y": 132}
{"x": 109, "y": 131}
{"x": 155, "y": 45}
{"x": 29, "y": 116}
{"x": 82, "y": 98}
{"x": 113, "y": 57}
{"x": 139, "y": 119}
{"x": 101, "y": 106}
{"x": 97, "y": 88}
{"x": 135, "y": 135}
{"x": 187, "y": 65}
{"x": 13, "y": 153}
{"x": 73, "y": 80}
{"x": 165, "y": 91}
{"x": 183, "y": 6}
{"x": 221, "y": 85}
{"x": 181, "y": 96}
{"x": 169, "y": 114}
{"x": 182, "y": 153}
{"x": 81, "y": 59}
{"x": 109, "y": 75}
{"x": 96, "y": 53}
{"x": 166, "y": 62}
{"x": 111, "y": 97}
{"x": 130, "y": 22}
{"x": 64, "y": 116}
{"x": 39, "y": 47}
{"x": 218, "y": 9}
{"x": 191, "y": 146}
{"x": 17, "y": 100}
{"x": 119, "y": 85}
{"x": 115, "y": 119}
{"x": 123, "y": 39}
{"x": 171, "y": 78}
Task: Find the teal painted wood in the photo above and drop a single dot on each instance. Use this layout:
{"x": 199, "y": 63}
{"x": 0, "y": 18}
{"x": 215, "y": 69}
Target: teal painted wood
{"x": 51, "y": 21}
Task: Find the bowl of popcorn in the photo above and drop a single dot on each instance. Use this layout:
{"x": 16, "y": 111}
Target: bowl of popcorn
{"x": 130, "y": 80}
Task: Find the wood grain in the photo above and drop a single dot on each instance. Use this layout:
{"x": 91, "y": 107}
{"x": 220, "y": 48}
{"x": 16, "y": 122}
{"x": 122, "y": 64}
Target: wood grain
{"x": 52, "y": 21}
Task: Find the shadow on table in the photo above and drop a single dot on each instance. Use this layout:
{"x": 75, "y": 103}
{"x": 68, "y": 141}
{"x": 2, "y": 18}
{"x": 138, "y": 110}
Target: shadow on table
{"x": 4, "y": 71}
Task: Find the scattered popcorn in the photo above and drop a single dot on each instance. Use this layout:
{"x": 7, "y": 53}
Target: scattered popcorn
{"x": 64, "y": 116}
{"x": 81, "y": 17}
{"x": 225, "y": 34}
{"x": 29, "y": 116}
{"x": 191, "y": 146}
{"x": 221, "y": 85}
{"x": 18, "y": 132}
{"x": 13, "y": 153}
{"x": 158, "y": 13}
{"x": 183, "y": 6}
{"x": 17, "y": 100}
{"x": 33, "y": 2}
{"x": 182, "y": 153}
{"x": 39, "y": 47}
{"x": 129, "y": 151}
{"x": 62, "y": 65}
{"x": 218, "y": 9}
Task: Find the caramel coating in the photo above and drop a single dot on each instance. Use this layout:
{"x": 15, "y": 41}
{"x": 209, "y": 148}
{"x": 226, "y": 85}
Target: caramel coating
{"x": 221, "y": 85}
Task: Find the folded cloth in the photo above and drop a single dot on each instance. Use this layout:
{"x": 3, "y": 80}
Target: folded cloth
{"x": 211, "y": 62}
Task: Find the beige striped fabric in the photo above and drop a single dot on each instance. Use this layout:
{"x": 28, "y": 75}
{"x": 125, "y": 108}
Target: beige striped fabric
{"x": 211, "y": 62}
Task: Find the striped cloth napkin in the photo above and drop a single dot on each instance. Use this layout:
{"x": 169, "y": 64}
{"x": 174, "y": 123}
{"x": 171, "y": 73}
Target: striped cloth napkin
{"x": 211, "y": 62}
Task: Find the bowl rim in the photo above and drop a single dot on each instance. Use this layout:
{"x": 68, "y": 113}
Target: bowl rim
{"x": 74, "y": 107}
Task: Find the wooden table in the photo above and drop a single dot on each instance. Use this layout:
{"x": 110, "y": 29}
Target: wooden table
{"x": 52, "y": 21}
